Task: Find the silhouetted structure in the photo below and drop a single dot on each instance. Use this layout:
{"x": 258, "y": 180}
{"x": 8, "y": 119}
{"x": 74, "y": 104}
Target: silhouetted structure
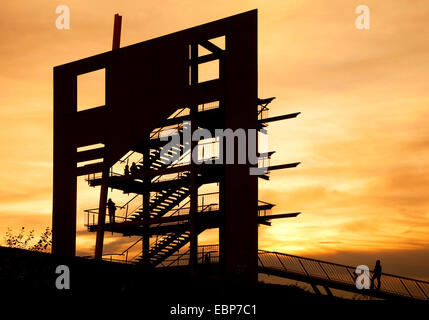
{"x": 151, "y": 87}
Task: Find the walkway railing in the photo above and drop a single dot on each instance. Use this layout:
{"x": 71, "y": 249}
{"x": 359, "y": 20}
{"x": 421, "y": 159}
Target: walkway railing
{"x": 274, "y": 262}
{"x": 311, "y": 271}
{"x": 206, "y": 202}
{"x": 206, "y": 255}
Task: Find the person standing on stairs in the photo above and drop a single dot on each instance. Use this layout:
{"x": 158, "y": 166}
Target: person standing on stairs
{"x": 133, "y": 168}
{"x": 112, "y": 208}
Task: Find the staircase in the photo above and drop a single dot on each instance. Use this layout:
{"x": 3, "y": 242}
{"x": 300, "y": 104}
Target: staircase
{"x": 170, "y": 244}
{"x": 167, "y": 246}
{"x": 164, "y": 201}
{"x": 167, "y": 199}
{"x": 158, "y": 161}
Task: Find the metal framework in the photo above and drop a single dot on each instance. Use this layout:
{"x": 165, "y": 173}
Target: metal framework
{"x": 152, "y": 87}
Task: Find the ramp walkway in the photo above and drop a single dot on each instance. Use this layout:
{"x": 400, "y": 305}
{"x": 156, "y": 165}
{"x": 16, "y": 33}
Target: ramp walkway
{"x": 338, "y": 276}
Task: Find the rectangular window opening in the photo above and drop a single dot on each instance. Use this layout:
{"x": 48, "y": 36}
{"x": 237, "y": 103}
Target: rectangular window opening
{"x": 90, "y": 147}
{"x": 85, "y": 163}
{"x": 91, "y": 90}
{"x": 208, "y": 106}
{"x": 208, "y": 71}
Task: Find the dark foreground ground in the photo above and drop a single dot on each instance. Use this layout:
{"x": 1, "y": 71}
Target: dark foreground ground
{"x": 29, "y": 276}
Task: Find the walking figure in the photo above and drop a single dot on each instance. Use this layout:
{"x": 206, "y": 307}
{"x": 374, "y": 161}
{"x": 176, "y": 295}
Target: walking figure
{"x": 134, "y": 168}
{"x": 112, "y": 208}
{"x": 126, "y": 170}
{"x": 207, "y": 258}
{"x": 376, "y": 275}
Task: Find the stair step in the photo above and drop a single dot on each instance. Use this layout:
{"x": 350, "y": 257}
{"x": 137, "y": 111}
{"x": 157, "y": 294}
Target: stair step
{"x": 156, "y": 164}
{"x": 159, "y": 163}
{"x": 168, "y": 157}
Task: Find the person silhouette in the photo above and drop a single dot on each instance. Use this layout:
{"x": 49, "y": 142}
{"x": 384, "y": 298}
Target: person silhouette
{"x": 376, "y": 275}
{"x": 126, "y": 170}
{"x": 112, "y": 208}
{"x": 133, "y": 168}
{"x": 207, "y": 258}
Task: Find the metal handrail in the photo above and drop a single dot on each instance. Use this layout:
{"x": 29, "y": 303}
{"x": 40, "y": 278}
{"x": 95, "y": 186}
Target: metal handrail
{"x": 94, "y": 211}
{"x": 176, "y": 211}
{"x": 126, "y": 250}
{"x": 97, "y": 175}
{"x": 333, "y": 263}
{"x": 178, "y": 257}
{"x": 339, "y": 273}
{"x": 174, "y": 116}
{"x": 203, "y": 210}
{"x": 264, "y": 211}
{"x": 314, "y": 269}
{"x": 262, "y": 112}
{"x": 130, "y": 201}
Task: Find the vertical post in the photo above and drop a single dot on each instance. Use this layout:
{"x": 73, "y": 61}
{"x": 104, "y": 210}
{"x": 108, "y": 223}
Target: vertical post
{"x": 117, "y": 32}
{"x": 241, "y": 188}
{"x": 222, "y": 148}
{"x": 105, "y": 174}
{"x": 64, "y": 174}
{"x": 193, "y": 243}
{"x": 101, "y": 215}
{"x": 146, "y": 212}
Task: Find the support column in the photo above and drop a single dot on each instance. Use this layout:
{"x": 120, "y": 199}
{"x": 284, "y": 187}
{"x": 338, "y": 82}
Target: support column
{"x": 64, "y": 172}
{"x": 193, "y": 243}
{"x": 146, "y": 212}
{"x": 101, "y": 215}
{"x": 222, "y": 229}
{"x": 241, "y": 188}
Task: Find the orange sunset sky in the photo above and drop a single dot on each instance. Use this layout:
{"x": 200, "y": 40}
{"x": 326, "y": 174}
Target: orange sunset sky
{"x": 362, "y": 137}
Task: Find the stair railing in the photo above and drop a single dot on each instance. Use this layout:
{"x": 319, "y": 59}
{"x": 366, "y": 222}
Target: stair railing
{"x": 263, "y": 212}
{"x": 126, "y": 205}
{"x": 204, "y": 208}
{"x": 175, "y": 115}
{"x": 94, "y": 212}
{"x": 178, "y": 259}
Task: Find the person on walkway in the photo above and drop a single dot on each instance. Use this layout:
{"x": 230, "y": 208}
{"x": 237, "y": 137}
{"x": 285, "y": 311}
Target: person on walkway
{"x": 207, "y": 258}
{"x": 376, "y": 275}
{"x": 134, "y": 168}
{"x": 111, "y": 206}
